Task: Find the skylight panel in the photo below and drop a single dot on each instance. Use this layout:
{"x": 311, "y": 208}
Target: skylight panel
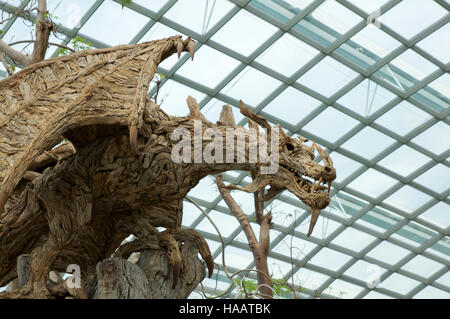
{"x": 376, "y": 295}
{"x": 205, "y": 186}
{"x": 310, "y": 279}
{"x": 430, "y": 292}
{"x": 329, "y": 259}
{"x": 338, "y": 124}
{"x": 420, "y": 15}
{"x": 399, "y": 284}
{"x": 406, "y": 70}
{"x": 441, "y": 249}
{"x": 366, "y": 98}
{"x": 388, "y": 253}
{"x": 199, "y": 15}
{"x": 368, "y": 46}
{"x": 243, "y": 199}
{"x": 235, "y": 257}
{"x": 414, "y": 234}
{"x": 372, "y": 183}
{"x": 160, "y": 31}
{"x": 404, "y": 161}
{"x": 380, "y": 220}
{"x": 244, "y": 33}
{"x": 343, "y": 289}
{"x": 346, "y": 166}
{"x": 108, "y": 24}
{"x": 190, "y": 213}
{"x": 327, "y": 77}
{"x": 436, "y": 139}
{"x": 422, "y": 266}
{"x": 291, "y": 245}
{"x": 364, "y": 271}
{"x": 251, "y": 86}
{"x": 226, "y": 223}
{"x": 68, "y": 12}
{"x": 20, "y": 30}
{"x": 172, "y": 98}
{"x": 154, "y": 5}
{"x": 368, "y": 6}
{"x": 437, "y": 44}
{"x": 444, "y": 279}
{"x": 403, "y": 118}
{"x": 282, "y": 11}
{"x": 209, "y": 67}
{"x": 277, "y": 268}
{"x": 436, "y": 178}
{"x": 407, "y": 199}
{"x": 291, "y": 106}
{"x": 345, "y": 205}
{"x": 438, "y": 215}
{"x": 287, "y": 55}
{"x": 353, "y": 239}
{"x": 436, "y": 95}
{"x": 368, "y": 143}
{"x": 327, "y": 23}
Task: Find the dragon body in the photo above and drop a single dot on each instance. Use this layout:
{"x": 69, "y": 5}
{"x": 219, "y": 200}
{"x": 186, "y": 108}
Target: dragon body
{"x": 75, "y": 203}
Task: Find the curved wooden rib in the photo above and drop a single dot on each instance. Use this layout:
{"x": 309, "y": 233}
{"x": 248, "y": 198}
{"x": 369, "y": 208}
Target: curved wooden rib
{"x": 45, "y": 100}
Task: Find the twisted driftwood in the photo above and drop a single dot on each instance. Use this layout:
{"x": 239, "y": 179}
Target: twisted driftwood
{"x": 76, "y": 203}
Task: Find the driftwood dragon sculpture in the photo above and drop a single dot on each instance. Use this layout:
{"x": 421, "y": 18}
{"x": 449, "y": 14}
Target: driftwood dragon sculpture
{"x": 75, "y": 203}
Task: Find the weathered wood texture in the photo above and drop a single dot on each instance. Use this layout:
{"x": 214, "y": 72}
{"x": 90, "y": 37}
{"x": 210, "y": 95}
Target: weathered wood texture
{"x": 76, "y": 204}
{"x": 151, "y": 277}
{"x": 46, "y": 99}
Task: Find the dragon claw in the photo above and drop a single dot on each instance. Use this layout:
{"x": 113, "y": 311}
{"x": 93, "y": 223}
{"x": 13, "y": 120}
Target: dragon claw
{"x": 191, "y": 48}
{"x": 210, "y": 263}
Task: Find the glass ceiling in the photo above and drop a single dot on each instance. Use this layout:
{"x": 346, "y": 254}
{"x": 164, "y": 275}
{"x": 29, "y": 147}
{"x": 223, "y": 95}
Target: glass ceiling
{"x": 375, "y": 95}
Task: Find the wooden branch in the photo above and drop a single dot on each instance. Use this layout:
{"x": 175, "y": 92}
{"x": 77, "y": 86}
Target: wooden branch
{"x": 5, "y": 63}
{"x": 238, "y": 213}
{"x": 43, "y": 29}
{"x": 14, "y": 54}
{"x": 264, "y": 236}
{"x": 259, "y": 205}
{"x": 50, "y": 43}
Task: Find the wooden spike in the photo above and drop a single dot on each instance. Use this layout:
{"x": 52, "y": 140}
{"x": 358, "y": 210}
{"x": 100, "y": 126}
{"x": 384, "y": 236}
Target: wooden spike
{"x": 3, "y": 198}
{"x": 194, "y": 108}
{"x": 180, "y": 47}
{"x": 314, "y": 216}
{"x": 227, "y": 117}
{"x": 253, "y": 125}
{"x": 281, "y": 131}
{"x": 133, "y": 138}
{"x": 252, "y": 116}
{"x": 191, "y": 48}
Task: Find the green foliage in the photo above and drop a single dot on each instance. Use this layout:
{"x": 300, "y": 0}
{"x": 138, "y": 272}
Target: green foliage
{"x": 78, "y": 44}
{"x": 279, "y": 286}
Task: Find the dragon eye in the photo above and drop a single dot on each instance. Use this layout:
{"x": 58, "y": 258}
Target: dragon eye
{"x": 290, "y": 147}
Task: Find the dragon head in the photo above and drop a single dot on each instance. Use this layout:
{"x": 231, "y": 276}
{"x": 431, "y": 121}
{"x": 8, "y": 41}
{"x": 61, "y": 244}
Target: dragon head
{"x": 302, "y": 176}
{"x": 297, "y": 171}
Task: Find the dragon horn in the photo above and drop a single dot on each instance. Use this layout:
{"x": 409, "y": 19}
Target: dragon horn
{"x": 258, "y": 119}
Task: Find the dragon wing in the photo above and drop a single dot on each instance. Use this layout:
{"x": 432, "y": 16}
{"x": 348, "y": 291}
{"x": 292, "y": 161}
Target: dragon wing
{"x": 47, "y": 99}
